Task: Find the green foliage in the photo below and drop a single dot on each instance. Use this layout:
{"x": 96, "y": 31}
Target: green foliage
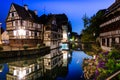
{"x": 87, "y": 46}
{"x": 25, "y": 46}
{"x": 92, "y": 26}
{"x": 110, "y": 64}
{"x": 1, "y": 48}
{"x": 86, "y": 21}
{"x": 117, "y": 66}
{"x": 102, "y": 75}
{"x": 38, "y": 46}
{"x": 115, "y": 54}
{"x": 87, "y": 37}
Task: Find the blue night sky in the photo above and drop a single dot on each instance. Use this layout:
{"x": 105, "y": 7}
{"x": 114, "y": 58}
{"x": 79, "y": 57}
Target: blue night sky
{"x": 74, "y": 9}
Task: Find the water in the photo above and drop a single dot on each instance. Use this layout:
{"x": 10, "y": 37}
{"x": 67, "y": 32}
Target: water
{"x": 58, "y": 65}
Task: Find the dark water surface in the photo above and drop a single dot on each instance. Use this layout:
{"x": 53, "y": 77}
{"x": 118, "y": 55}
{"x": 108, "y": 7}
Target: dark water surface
{"x": 53, "y": 66}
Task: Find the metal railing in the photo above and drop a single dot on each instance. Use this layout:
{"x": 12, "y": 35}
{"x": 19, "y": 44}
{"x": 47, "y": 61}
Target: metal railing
{"x": 114, "y": 75}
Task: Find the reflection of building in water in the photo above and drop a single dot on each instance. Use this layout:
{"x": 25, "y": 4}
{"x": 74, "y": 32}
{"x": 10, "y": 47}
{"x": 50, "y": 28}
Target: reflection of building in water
{"x": 53, "y": 59}
{"x": 36, "y": 68}
{"x": 25, "y": 70}
{"x": 65, "y": 58}
{"x": 1, "y": 67}
{"x": 53, "y": 64}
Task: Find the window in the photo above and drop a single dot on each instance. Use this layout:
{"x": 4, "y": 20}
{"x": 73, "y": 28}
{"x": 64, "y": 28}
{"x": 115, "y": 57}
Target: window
{"x": 32, "y": 33}
{"x": 15, "y": 33}
{"x": 48, "y": 35}
{"x": 19, "y": 22}
{"x": 34, "y": 24}
{"x": 38, "y": 66}
{"x": 16, "y": 23}
{"x": 30, "y": 24}
{"x": 113, "y": 40}
{"x": 19, "y": 33}
{"x": 37, "y": 33}
{"x": 103, "y": 42}
{"x": 39, "y": 26}
{"x": 29, "y": 33}
{"x": 13, "y": 23}
{"x": 24, "y": 23}
{"x": 108, "y": 42}
{"x": 27, "y": 71}
{"x": 12, "y": 14}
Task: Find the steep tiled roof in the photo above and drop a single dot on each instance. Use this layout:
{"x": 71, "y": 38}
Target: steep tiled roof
{"x": 25, "y": 14}
{"x": 60, "y": 18}
{"x": 43, "y": 19}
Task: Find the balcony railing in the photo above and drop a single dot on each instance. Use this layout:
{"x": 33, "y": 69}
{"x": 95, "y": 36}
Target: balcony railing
{"x": 114, "y": 75}
{"x": 116, "y": 32}
{"x": 110, "y": 21}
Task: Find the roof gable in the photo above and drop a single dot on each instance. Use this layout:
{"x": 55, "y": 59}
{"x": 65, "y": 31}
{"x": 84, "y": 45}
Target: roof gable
{"x": 25, "y": 14}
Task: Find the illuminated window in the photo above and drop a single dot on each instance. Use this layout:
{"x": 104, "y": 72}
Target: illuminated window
{"x": 18, "y": 22}
{"x": 39, "y": 26}
{"x": 10, "y": 14}
{"x": 13, "y": 23}
{"x": 34, "y": 24}
{"x": 24, "y": 23}
{"x": 37, "y": 33}
{"x": 21, "y": 33}
{"x": 15, "y": 33}
{"x": 15, "y": 72}
{"x": 29, "y": 33}
{"x": 14, "y": 13}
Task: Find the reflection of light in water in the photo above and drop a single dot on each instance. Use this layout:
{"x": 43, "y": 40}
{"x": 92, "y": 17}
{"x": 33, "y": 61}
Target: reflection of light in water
{"x": 1, "y": 68}
{"x": 69, "y": 55}
{"x": 65, "y": 58}
{"x": 64, "y": 55}
{"x": 78, "y": 61}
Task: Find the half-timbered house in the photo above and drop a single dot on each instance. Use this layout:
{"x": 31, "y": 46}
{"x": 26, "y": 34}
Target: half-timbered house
{"x": 23, "y": 26}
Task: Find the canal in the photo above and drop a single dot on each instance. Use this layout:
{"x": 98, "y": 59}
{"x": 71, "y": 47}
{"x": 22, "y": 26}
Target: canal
{"x": 57, "y": 65}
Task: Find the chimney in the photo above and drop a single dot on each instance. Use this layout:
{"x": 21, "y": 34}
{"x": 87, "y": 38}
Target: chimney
{"x": 35, "y": 11}
{"x": 0, "y": 25}
{"x": 26, "y": 7}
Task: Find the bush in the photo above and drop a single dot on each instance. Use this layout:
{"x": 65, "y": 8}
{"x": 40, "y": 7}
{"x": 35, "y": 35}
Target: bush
{"x": 25, "y": 46}
{"x": 38, "y": 46}
{"x": 114, "y": 54}
{"x": 1, "y": 48}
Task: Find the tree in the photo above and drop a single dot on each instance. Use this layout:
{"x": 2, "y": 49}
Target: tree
{"x": 91, "y": 25}
{"x": 86, "y": 21}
